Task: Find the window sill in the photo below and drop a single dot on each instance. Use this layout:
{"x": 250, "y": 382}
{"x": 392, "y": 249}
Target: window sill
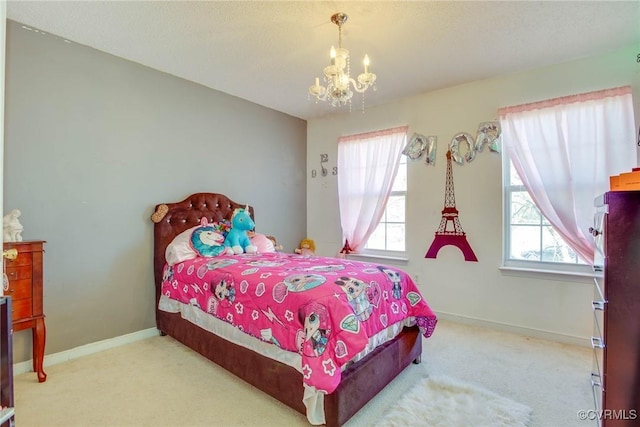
{"x": 550, "y": 273}
{"x": 382, "y": 258}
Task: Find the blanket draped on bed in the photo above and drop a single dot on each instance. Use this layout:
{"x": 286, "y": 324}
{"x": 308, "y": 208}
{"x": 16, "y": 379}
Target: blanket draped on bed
{"x": 326, "y": 309}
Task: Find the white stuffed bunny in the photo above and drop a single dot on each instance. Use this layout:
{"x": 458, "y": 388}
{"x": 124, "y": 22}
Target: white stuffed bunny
{"x": 11, "y": 227}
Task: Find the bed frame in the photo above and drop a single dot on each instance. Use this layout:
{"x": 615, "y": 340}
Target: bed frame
{"x": 360, "y": 382}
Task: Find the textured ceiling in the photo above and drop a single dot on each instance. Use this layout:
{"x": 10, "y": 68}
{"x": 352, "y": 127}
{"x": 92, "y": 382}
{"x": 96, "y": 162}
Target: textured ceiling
{"x": 270, "y": 52}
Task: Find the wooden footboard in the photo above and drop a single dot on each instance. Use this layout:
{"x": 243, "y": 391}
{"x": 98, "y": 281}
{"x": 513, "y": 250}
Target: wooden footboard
{"x": 363, "y": 380}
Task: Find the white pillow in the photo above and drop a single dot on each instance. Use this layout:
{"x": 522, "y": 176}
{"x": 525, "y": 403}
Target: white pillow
{"x": 180, "y": 248}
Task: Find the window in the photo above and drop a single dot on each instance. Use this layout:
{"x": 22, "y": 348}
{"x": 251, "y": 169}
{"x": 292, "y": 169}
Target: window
{"x": 371, "y": 191}
{"x": 559, "y": 155}
{"x": 389, "y": 235}
{"x": 529, "y": 236}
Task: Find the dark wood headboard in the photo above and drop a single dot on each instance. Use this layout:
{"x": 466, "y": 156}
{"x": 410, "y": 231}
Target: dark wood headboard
{"x": 172, "y": 219}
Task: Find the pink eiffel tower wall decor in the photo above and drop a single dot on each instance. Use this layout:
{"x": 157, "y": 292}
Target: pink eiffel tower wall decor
{"x": 454, "y": 235}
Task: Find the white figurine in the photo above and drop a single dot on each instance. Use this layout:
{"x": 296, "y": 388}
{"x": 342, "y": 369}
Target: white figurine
{"x": 11, "y": 227}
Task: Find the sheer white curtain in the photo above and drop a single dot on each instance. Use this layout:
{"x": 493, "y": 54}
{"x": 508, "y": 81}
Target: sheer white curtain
{"x": 367, "y": 166}
{"x": 565, "y": 149}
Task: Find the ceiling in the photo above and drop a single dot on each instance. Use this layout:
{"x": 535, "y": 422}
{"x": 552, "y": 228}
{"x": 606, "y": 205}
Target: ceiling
{"x": 270, "y": 52}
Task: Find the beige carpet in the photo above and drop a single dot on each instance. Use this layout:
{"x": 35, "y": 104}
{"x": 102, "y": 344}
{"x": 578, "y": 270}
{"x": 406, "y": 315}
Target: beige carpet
{"x": 158, "y": 382}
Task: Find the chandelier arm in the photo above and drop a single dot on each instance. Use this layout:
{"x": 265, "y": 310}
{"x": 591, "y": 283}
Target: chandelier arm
{"x": 322, "y": 97}
{"x": 318, "y": 92}
{"x": 360, "y": 88}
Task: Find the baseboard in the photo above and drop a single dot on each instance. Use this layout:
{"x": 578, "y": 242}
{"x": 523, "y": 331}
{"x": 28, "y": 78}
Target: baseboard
{"x": 85, "y": 350}
{"x": 520, "y": 330}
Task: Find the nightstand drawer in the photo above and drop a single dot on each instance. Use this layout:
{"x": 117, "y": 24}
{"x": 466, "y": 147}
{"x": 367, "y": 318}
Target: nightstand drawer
{"x": 22, "y": 309}
{"x": 19, "y": 289}
{"x": 23, "y": 258}
{"x": 18, "y": 273}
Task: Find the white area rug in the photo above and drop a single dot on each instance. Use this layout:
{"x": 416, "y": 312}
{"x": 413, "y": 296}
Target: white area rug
{"x": 440, "y": 401}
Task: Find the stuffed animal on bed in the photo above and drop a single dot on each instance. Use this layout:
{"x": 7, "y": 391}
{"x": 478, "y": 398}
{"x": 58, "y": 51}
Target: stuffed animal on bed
{"x": 276, "y": 246}
{"x": 237, "y": 238}
{"x": 261, "y": 242}
{"x": 307, "y": 247}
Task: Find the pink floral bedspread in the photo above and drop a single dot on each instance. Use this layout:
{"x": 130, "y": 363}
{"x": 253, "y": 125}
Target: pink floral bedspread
{"x": 323, "y": 308}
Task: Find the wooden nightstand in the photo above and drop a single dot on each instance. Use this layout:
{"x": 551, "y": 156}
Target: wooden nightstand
{"x": 25, "y": 289}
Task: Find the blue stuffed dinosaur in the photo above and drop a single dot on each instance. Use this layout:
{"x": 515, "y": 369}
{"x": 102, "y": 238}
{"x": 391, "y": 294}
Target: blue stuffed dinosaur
{"x": 237, "y": 238}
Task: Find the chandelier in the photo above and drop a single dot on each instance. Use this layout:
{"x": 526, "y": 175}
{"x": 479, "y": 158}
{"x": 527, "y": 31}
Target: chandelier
{"x": 339, "y": 84}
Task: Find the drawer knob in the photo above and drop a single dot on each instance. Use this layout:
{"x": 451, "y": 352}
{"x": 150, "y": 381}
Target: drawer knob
{"x": 10, "y": 254}
{"x": 594, "y": 232}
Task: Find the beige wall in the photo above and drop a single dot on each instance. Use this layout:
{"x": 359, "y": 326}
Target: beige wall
{"x": 549, "y": 306}
{"x": 93, "y": 142}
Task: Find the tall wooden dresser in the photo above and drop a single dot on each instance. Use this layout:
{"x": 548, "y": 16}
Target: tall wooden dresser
{"x": 616, "y": 343}
{"x": 25, "y": 288}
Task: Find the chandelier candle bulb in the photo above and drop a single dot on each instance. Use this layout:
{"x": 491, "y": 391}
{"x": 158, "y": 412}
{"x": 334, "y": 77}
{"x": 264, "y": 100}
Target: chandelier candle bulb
{"x": 332, "y": 54}
{"x": 366, "y": 64}
{"x": 317, "y": 81}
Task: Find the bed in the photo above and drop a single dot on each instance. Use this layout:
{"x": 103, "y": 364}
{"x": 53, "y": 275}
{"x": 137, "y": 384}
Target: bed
{"x": 328, "y": 391}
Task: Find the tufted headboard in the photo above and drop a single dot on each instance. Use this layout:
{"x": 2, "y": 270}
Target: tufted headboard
{"x": 172, "y": 219}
